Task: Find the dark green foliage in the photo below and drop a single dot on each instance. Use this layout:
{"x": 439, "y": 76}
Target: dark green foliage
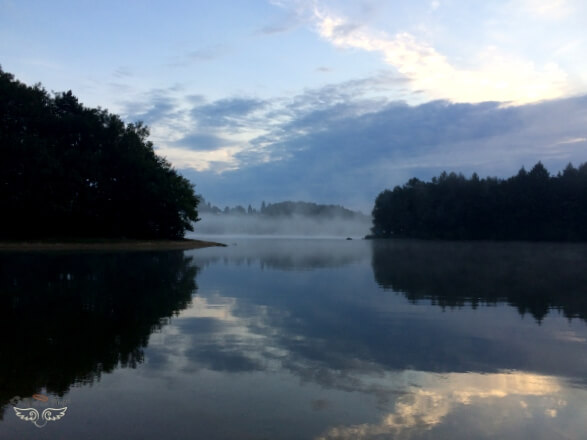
{"x": 529, "y": 206}
{"x": 71, "y": 171}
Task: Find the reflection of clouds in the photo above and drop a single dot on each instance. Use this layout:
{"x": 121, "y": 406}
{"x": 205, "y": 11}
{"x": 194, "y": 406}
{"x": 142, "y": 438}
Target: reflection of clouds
{"x": 336, "y": 328}
{"x": 208, "y": 335}
{"x": 570, "y": 336}
{"x": 279, "y": 331}
{"x": 220, "y": 309}
{"x": 430, "y": 398}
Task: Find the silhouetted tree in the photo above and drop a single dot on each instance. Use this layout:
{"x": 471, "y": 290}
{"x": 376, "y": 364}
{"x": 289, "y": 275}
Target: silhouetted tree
{"x": 529, "y": 206}
{"x": 72, "y": 171}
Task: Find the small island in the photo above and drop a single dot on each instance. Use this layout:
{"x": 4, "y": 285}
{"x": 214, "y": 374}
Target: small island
{"x": 73, "y": 177}
{"x": 530, "y": 206}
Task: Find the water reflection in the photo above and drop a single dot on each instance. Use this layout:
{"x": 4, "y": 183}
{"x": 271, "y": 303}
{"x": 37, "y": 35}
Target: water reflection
{"x": 430, "y": 401}
{"x": 375, "y": 365}
{"x": 337, "y": 319}
{"x": 67, "y": 318}
{"x": 289, "y": 339}
{"x": 533, "y": 277}
{"x": 292, "y": 254}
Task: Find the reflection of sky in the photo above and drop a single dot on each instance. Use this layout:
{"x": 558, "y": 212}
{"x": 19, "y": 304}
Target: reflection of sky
{"x": 354, "y": 361}
{"x": 336, "y": 315}
{"x": 504, "y": 397}
{"x": 296, "y": 340}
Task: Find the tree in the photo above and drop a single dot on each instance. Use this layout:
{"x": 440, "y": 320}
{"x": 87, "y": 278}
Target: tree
{"x": 529, "y": 206}
{"x": 72, "y": 171}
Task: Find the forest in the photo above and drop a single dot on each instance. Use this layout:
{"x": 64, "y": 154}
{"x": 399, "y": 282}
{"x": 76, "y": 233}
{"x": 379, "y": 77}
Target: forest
{"x": 532, "y": 205}
{"x": 283, "y": 209}
{"x": 68, "y": 171}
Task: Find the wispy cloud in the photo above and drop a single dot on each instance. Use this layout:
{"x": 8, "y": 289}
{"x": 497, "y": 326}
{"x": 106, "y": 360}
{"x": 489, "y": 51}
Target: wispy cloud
{"x": 497, "y": 77}
{"x": 323, "y": 69}
{"x": 217, "y": 160}
{"x": 203, "y": 54}
{"x": 352, "y": 136}
{"x": 229, "y": 112}
{"x": 360, "y": 148}
{"x": 247, "y": 130}
{"x": 202, "y": 142}
{"x": 123, "y": 72}
{"x": 578, "y": 140}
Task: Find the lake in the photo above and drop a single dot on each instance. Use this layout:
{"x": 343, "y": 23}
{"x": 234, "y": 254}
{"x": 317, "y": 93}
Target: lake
{"x": 296, "y": 339}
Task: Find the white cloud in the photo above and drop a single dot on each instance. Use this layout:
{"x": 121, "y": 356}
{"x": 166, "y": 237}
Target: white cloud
{"x": 577, "y": 140}
{"x": 497, "y": 77}
{"x": 219, "y": 160}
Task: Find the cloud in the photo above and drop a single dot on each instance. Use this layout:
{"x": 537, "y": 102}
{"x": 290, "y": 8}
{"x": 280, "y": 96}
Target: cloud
{"x": 160, "y": 108}
{"x": 202, "y": 142}
{"x": 290, "y": 20}
{"x": 206, "y": 54}
{"x": 498, "y": 77}
{"x": 154, "y": 106}
{"x": 348, "y": 152}
{"x": 213, "y": 161}
{"x": 203, "y": 54}
{"x": 236, "y": 132}
{"x": 572, "y": 141}
{"x": 344, "y": 143}
{"x": 229, "y": 112}
{"x": 123, "y": 72}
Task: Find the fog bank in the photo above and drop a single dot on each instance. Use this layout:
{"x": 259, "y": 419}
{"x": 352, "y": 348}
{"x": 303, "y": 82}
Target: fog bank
{"x": 295, "y": 225}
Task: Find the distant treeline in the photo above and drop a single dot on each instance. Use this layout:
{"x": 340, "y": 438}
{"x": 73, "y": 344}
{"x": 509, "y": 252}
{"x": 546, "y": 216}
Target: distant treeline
{"x": 284, "y": 209}
{"x": 529, "y": 206}
{"x": 71, "y": 171}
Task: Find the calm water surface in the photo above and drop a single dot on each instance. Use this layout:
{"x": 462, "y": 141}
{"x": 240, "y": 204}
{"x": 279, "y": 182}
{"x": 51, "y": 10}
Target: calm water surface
{"x": 296, "y": 339}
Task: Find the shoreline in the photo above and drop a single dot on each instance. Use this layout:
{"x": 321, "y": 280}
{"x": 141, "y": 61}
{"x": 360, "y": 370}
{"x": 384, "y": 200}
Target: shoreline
{"x": 105, "y": 245}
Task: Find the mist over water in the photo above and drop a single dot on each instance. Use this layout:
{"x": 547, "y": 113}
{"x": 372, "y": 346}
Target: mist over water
{"x": 290, "y": 226}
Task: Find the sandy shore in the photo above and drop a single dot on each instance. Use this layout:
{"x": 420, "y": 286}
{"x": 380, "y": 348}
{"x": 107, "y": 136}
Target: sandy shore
{"x": 106, "y": 245}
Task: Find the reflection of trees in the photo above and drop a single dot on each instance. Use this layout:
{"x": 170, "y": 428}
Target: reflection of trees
{"x": 67, "y": 318}
{"x": 533, "y": 277}
{"x": 334, "y": 327}
{"x": 293, "y": 254}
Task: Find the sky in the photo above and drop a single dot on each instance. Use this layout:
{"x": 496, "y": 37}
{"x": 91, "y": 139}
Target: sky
{"x": 329, "y": 101}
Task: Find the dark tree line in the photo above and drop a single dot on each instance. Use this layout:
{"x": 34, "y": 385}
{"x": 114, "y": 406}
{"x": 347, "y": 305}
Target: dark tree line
{"x": 285, "y": 209}
{"x": 533, "y": 205}
{"x": 307, "y": 209}
{"x": 71, "y": 171}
